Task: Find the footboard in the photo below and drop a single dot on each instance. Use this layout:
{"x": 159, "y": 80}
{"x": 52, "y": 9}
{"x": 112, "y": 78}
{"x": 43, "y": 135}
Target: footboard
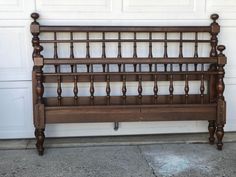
{"x": 130, "y": 63}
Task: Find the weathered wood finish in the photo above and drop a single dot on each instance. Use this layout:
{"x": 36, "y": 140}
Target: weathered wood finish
{"x": 208, "y": 105}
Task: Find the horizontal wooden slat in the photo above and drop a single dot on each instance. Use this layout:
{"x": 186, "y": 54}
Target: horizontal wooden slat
{"x": 130, "y": 100}
{"x": 205, "y": 60}
{"x": 123, "y": 40}
{"x": 130, "y": 113}
{"x": 125, "y": 29}
{"x": 117, "y": 77}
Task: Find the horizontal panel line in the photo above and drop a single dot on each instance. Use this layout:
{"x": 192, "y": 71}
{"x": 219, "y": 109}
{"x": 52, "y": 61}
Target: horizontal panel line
{"x": 125, "y": 29}
{"x": 53, "y": 61}
{"x": 123, "y": 40}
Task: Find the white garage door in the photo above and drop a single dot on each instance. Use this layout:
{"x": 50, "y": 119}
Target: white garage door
{"x": 16, "y": 62}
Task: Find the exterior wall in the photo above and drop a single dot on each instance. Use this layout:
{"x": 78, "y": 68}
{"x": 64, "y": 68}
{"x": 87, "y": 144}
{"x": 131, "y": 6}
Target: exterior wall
{"x": 16, "y": 62}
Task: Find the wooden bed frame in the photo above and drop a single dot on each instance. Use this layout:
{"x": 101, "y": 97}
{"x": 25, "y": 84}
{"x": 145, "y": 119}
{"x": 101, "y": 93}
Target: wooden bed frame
{"x": 209, "y": 104}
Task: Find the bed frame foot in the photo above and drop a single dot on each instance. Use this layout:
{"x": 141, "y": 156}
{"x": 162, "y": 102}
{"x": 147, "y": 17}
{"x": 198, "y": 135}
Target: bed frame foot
{"x": 212, "y": 129}
{"x": 220, "y": 135}
{"x": 39, "y": 133}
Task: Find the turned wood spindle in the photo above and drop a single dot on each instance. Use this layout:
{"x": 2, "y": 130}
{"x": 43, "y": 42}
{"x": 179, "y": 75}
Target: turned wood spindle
{"x": 92, "y": 90}
{"x": 73, "y": 67}
{"x": 108, "y": 87}
{"x": 124, "y": 89}
{"x": 196, "y": 50}
{"x": 140, "y": 89}
{"x": 76, "y": 90}
{"x": 59, "y": 90}
{"x": 119, "y": 55}
{"x": 87, "y": 49}
{"x": 155, "y": 89}
{"x": 202, "y": 87}
{"x": 103, "y": 50}
{"x": 165, "y": 50}
{"x": 186, "y": 87}
{"x": 55, "y": 56}
{"x": 171, "y": 87}
{"x": 135, "y": 51}
{"x": 181, "y": 49}
{"x": 150, "y": 55}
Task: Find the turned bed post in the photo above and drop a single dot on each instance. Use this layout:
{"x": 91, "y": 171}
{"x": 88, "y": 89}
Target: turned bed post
{"x": 215, "y": 29}
{"x": 221, "y": 104}
{"x": 38, "y": 88}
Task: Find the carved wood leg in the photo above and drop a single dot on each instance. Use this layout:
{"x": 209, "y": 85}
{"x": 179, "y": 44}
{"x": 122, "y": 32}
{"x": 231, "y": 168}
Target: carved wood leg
{"x": 40, "y": 140}
{"x": 212, "y": 129}
{"x": 36, "y": 132}
{"x": 220, "y": 135}
{"x": 36, "y": 136}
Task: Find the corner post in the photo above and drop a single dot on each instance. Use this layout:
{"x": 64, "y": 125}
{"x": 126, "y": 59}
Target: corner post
{"x": 215, "y": 29}
{"x": 38, "y": 88}
{"x": 221, "y": 104}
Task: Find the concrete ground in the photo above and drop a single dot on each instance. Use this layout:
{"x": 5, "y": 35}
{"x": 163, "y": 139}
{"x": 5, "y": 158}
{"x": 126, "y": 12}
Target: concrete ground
{"x": 132, "y": 156}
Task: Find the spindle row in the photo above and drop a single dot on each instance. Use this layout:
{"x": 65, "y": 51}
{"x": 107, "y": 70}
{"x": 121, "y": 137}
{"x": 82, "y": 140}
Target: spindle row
{"x": 140, "y": 87}
{"x": 119, "y": 41}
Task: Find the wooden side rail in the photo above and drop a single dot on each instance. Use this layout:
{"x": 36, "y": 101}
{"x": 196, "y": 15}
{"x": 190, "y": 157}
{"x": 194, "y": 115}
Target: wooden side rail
{"x": 133, "y": 103}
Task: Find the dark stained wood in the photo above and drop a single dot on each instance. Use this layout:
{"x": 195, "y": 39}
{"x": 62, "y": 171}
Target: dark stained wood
{"x": 155, "y": 89}
{"x": 130, "y": 29}
{"x": 125, "y": 107}
{"x": 202, "y": 86}
{"x": 129, "y": 100}
{"x": 124, "y": 89}
{"x": 170, "y": 60}
{"x": 76, "y": 90}
{"x": 123, "y": 40}
{"x": 221, "y": 107}
{"x": 59, "y": 90}
{"x": 129, "y": 76}
{"x": 196, "y": 50}
{"x": 130, "y": 113}
{"x": 73, "y": 66}
{"x": 186, "y": 88}
{"x": 212, "y": 129}
{"x": 108, "y": 89}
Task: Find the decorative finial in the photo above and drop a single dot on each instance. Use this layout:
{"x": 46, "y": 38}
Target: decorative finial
{"x": 35, "y": 16}
{"x": 221, "y": 48}
{"x": 214, "y": 17}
